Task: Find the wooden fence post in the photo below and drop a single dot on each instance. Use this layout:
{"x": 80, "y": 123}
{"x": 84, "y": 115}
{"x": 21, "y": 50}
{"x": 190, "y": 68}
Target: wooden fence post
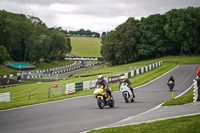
{"x": 29, "y": 94}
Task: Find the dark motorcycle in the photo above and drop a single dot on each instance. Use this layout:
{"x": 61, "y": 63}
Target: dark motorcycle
{"x": 171, "y": 85}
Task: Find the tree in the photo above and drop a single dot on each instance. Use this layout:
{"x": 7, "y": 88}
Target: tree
{"x": 107, "y": 48}
{"x": 40, "y": 49}
{"x": 83, "y": 32}
{"x": 182, "y": 28}
{"x": 3, "y": 54}
{"x": 120, "y": 46}
{"x": 153, "y": 41}
{"x": 126, "y": 42}
{"x": 60, "y": 43}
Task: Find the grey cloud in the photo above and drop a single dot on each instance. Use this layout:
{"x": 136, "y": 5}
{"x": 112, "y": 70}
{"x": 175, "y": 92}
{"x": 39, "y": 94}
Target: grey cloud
{"x": 102, "y": 9}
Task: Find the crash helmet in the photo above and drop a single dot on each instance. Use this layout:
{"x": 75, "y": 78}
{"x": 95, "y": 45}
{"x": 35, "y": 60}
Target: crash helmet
{"x": 122, "y": 78}
{"x": 100, "y": 78}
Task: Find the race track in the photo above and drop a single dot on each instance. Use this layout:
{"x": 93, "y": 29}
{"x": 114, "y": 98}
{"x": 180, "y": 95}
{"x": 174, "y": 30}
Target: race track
{"x": 82, "y": 113}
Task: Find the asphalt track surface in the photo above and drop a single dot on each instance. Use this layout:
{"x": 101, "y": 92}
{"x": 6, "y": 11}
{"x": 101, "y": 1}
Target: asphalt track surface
{"x": 82, "y": 113}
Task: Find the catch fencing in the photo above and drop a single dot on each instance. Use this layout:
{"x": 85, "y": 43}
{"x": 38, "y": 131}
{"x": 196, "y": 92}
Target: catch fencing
{"x": 86, "y": 85}
{"x": 54, "y": 90}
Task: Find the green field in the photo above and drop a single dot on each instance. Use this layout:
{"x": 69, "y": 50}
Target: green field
{"x": 86, "y": 46}
{"x": 188, "y": 124}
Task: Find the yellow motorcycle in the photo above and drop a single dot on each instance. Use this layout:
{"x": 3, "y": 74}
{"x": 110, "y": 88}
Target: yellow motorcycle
{"x": 103, "y": 99}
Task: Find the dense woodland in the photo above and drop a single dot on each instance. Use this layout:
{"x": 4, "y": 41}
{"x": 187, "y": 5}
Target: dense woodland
{"x": 27, "y": 38}
{"x": 176, "y": 32}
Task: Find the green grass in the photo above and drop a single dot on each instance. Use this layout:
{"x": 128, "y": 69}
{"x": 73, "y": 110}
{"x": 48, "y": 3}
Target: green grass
{"x": 186, "y": 98}
{"x": 188, "y": 124}
{"x": 19, "y": 94}
{"x": 86, "y": 46}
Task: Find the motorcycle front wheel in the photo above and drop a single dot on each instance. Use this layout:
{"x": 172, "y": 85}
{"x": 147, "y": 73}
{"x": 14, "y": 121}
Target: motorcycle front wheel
{"x": 100, "y": 103}
{"x": 126, "y": 97}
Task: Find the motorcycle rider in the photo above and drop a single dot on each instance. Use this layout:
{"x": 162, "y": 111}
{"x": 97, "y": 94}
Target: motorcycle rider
{"x": 101, "y": 81}
{"x": 124, "y": 80}
{"x": 171, "y": 79}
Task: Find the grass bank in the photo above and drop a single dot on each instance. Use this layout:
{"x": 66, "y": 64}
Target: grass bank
{"x": 178, "y": 125}
{"x": 186, "y": 98}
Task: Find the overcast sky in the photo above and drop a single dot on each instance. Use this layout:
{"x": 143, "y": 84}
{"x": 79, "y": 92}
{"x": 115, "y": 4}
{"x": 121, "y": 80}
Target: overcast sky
{"x": 95, "y": 15}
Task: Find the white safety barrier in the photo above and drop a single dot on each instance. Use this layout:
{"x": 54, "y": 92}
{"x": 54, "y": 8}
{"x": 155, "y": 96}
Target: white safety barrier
{"x": 73, "y": 87}
{"x": 70, "y": 88}
{"x": 195, "y": 91}
{"x": 5, "y": 97}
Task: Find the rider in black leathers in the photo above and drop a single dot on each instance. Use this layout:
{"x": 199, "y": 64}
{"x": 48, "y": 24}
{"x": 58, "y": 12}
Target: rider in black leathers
{"x": 171, "y": 79}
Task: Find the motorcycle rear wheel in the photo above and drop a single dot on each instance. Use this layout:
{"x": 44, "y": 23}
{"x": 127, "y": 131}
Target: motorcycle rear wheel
{"x": 133, "y": 99}
{"x": 170, "y": 88}
{"x": 112, "y": 104}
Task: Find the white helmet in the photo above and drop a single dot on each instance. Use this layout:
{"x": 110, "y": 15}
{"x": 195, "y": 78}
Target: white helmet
{"x": 100, "y": 77}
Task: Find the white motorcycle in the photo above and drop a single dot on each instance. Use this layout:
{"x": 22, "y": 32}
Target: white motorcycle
{"x": 126, "y": 92}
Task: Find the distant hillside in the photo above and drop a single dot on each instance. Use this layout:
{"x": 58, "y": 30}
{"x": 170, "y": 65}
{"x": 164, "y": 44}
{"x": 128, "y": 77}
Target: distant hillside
{"x": 86, "y": 46}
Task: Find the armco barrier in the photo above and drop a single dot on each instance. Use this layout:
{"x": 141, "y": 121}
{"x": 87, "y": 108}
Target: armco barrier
{"x": 74, "y": 87}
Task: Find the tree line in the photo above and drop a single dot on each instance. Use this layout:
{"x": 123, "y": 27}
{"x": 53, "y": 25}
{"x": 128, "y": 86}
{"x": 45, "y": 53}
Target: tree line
{"x": 83, "y": 32}
{"x": 177, "y": 32}
{"x": 27, "y": 38}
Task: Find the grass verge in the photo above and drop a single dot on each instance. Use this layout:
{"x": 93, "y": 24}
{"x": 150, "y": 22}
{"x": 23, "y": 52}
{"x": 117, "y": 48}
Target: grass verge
{"x": 186, "y": 98}
{"x": 188, "y": 124}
